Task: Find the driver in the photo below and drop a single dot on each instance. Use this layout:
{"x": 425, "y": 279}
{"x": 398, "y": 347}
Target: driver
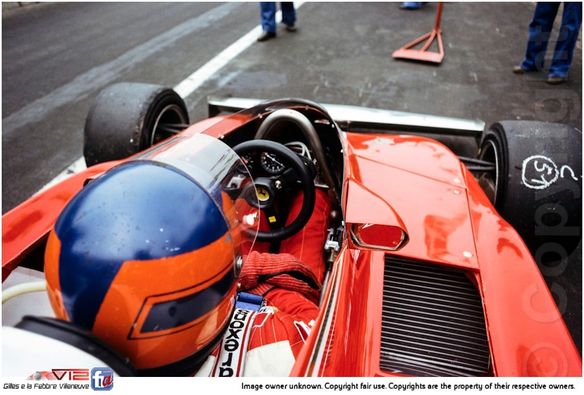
{"x": 146, "y": 257}
{"x": 290, "y": 283}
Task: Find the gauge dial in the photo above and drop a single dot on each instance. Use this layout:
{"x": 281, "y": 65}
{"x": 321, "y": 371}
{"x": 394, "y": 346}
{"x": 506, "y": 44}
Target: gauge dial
{"x": 271, "y": 163}
{"x": 249, "y": 161}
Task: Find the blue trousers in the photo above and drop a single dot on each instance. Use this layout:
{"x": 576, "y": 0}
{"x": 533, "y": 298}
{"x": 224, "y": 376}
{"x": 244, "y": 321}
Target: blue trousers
{"x": 268, "y": 15}
{"x": 539, "y": 33}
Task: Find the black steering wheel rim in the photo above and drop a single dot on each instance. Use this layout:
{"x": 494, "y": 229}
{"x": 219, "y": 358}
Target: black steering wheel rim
{"x": 304, "y": 176}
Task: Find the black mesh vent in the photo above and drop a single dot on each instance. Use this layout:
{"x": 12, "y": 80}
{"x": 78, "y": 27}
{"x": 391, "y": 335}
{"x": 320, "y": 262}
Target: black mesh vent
{"x": 433, "y": 322}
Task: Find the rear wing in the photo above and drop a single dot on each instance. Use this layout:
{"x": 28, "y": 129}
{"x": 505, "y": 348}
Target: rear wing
{"x": 362, "y": 119}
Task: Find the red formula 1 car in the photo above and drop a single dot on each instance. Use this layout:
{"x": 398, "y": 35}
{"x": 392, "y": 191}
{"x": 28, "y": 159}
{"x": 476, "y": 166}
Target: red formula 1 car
{"x": 426, "y": 275}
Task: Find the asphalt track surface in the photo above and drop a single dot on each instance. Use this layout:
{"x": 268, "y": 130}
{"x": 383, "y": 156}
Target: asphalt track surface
{"x": 56, "y": 57}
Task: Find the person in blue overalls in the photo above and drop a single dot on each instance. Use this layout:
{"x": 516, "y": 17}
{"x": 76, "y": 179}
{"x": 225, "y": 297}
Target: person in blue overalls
{"x": 268, "y": 18}
{"x": 411, "y": 5}
{"x": 539, "y": 33}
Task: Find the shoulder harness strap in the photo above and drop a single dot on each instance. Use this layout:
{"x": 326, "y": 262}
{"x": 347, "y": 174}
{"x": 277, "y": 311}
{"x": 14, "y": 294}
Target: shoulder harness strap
{"x": 233, "y": 348}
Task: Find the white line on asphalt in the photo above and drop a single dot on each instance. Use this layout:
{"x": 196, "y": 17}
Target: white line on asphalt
{"x": 104, "y": 74}
{"x": 186, "y": 87}
{"x": 195, "y": 80}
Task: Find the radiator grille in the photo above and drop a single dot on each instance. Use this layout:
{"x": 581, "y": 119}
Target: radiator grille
{"x": 432, "y": 321}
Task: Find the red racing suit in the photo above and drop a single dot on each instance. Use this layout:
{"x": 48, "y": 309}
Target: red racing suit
{"x": 290, "y": 283}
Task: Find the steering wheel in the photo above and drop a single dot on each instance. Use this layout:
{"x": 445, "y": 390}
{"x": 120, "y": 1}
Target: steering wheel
{"x": 270, "y": 188}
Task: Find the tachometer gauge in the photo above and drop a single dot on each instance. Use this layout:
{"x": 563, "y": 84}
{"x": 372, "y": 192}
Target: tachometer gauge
{"x": 271, "y": 163}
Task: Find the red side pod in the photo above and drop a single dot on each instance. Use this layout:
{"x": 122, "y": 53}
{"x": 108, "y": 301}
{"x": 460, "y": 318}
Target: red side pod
{"x": 450, "y": 222}
{"x": 527, "y": 334}
{"x": 417, "y": 184}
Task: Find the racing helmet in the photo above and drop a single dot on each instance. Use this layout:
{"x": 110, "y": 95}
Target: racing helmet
{"x": 146, "y": 255}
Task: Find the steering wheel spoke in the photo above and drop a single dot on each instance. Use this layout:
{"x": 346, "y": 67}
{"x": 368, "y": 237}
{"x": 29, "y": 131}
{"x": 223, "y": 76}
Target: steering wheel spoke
{"x": 288, "y": 181}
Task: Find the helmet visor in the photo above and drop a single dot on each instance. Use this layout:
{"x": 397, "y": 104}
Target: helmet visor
{"x": 220, "y": 171}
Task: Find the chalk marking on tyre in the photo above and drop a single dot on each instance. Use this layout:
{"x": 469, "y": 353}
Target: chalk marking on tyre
{"x": 572, "y": 174}
{"x": 544, "y": 168}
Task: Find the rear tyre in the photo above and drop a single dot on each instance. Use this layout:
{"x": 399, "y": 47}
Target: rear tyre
{"x": 127, "y": 118}
{"x": 537, "y": 183}
{"x": 537, "y": 188}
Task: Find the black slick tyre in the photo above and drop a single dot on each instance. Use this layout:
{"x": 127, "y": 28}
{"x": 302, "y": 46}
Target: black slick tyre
{"x": 537, "y": 188}
{"x": 538, "y": 180}
{"x": 127, "y": 118}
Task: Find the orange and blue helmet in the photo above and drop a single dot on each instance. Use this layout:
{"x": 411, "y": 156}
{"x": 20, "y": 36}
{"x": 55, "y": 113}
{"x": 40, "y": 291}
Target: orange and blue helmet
{"x": 145, "y": 257}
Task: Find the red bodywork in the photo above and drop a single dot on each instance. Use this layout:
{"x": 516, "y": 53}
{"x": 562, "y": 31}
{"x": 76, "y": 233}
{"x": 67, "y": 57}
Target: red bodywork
{"x": 449, "y": 221}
